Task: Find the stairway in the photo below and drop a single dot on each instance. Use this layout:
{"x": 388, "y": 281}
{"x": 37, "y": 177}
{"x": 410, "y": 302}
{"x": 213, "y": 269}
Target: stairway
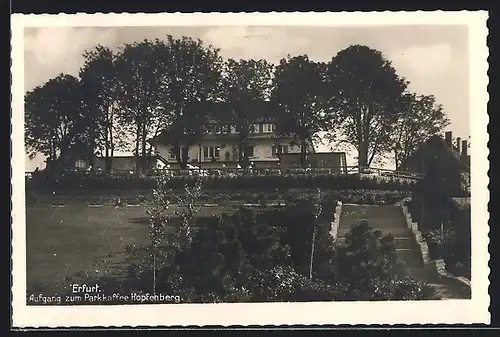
{"x": 390, "y": 219}
{"x": 387, "y": 219}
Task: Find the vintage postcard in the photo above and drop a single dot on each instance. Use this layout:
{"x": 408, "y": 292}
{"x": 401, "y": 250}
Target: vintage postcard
{"x": 249, "y": 169}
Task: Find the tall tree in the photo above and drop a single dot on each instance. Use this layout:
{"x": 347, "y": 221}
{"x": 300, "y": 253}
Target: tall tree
{"x": 365, "y": 101}
{"x": 191, "y": 77}
{"x": 420, "y": 119}
{"x": 140, "y": 88}
{"x": 247, "y": 87}
{"x": 299, "y": 92}
{"x": 54, "y": 123}
{"x": 99, "y": 84}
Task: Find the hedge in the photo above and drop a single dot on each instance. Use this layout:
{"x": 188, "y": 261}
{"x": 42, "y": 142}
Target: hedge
{"x": 128, "y": 182}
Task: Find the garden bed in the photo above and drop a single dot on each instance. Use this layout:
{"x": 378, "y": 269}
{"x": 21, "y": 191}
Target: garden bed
{"x": 132, "y": 182}
{"x": 261, "y": 196}
{"x": 452, "y": 244}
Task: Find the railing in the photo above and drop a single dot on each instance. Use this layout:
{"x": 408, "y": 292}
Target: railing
{"x": 344, "y": 170}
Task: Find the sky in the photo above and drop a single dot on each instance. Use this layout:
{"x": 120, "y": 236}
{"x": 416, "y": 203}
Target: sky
{"x": 434, "y": 58}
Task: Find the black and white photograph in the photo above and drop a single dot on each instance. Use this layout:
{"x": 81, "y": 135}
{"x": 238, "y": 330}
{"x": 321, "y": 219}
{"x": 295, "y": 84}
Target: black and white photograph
{"x": 280, "y": 168}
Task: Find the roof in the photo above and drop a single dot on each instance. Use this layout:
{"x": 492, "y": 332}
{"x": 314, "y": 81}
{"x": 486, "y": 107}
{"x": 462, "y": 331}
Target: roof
{"x": 127, "y": 156}
{"x": 461, "y": 203}
{"x": 439, "y": 141}
{"x": 312, "y": 153}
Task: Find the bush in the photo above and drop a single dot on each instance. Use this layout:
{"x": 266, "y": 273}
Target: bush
{"x": 299, "y": 179}
{"x": 444, "y": 244}
{"x": 367, "y": 266}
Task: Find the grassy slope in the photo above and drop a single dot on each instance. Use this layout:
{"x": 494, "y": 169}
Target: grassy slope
{"x": 62, "y": 242}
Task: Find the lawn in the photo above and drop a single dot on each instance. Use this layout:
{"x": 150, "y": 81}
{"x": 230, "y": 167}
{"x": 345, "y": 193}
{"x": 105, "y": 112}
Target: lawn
{"x": 66, "y": 241}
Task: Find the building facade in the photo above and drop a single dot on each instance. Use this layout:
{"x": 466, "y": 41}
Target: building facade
{"x": 220, "y": 147}
{"x": 117, "y": 164}
{"x": 336, "y": 161}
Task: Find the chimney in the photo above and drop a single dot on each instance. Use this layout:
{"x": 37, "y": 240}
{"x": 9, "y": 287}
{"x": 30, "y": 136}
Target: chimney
{"x": 464, "y": 147}
{"x": 447, "y": 138}
{"x": 458, "y": 144}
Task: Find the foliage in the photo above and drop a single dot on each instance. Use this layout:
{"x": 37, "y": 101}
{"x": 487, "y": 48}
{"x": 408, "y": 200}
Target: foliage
{"x": 55, "y": 124}
{"x": 99, "y": 87}
{"x": 172, "y": 90}
{"x": 420, "y": 119}
{"x": 299, "y": 94}
{"x": 368, "y": 255}
{"x": 366, "y": 265}
{"x": 246, "y": 88}
{"x": 365, "y": 100}
{"x": 98, "y": 182}
{"x": 447, "y": 245}
{"x": 141, "y": 84}
{"x": 191, "y": 91}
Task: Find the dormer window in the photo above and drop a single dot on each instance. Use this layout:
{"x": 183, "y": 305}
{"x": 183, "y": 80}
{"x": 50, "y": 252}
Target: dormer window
{"x": 255, "y": 128}
{"x": 268, "y": 128}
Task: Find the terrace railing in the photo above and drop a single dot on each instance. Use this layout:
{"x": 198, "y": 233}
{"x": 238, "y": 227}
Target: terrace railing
{"x": 344, "y": 170}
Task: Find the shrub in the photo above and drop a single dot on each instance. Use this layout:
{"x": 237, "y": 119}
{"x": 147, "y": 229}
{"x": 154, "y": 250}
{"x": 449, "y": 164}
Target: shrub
{"x": 367, "y": 268}
{"x": 367, "y": 255}
{"x": 297, "y": 179}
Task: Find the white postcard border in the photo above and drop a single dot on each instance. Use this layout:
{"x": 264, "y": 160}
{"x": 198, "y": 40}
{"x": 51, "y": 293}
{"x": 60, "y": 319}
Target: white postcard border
{"x": 409, "y": 312}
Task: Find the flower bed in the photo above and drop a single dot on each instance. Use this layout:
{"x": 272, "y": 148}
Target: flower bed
{"x": 261, "y": 196}
{"x": 228, "y": 182}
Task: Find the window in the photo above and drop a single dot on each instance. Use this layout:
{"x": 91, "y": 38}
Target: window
{"x": 255, "y": 128}
{"x": 235, "y": 129}
{"x": 211, "y": 152}
{"x": 279, "y": 149}
{"x": 81, "y": 164}
{"x": 219, "y": 129}
{"x": 268, "y": 128}
{"x": 172, "y": 154}
{"x": 249, "y": 151}
{"x": 182, "y": 152}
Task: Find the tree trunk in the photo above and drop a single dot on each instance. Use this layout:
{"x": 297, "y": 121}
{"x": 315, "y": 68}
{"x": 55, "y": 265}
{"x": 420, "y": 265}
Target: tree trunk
{"x": 303, "y": 153}
{"x": 179, "y": 157}
{"x": 363, "y": 155}
{"x": 143, "y": 148}
{"x": 107, "y": 151}
{"x": 112, "y": 149}
{"x": 137, "y": 143}
{"x": 200, "y": 157}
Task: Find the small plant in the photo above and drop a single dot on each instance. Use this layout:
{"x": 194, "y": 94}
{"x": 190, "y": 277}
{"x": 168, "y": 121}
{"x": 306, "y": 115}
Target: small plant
{"x": 367, "y": 255}
{"x": 164, "y": 244}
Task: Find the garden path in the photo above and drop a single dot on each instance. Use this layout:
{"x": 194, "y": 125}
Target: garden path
{"x": 390, "y": 219}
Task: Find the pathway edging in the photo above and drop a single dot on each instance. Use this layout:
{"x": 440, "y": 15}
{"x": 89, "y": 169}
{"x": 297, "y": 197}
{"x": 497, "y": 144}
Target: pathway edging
{"x": 439, "y": 266}
{"x": 336, "y": 220}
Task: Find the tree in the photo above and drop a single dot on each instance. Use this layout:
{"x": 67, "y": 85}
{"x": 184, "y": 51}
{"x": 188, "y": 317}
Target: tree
{"x": 420, "y": 119}
{"x": 247, "y": 86}
{"x": 99, "y": 84}
{"x": 192, "y": 75}
{"x": 298, "y": 92}
{"x": 364, "y": 101}
{"x": 141, "y": 84}
{"x": 54, "y": 123}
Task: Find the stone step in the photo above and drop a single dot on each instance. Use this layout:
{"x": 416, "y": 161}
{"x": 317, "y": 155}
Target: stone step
{"x": 399, "y": 242}
{"x": 396, "y": 232}
{"x": 372, "y": 210}
{"x": 409, "y": 257}
{"x": 376, "y": 223}
{"x": 423, "y": 273}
